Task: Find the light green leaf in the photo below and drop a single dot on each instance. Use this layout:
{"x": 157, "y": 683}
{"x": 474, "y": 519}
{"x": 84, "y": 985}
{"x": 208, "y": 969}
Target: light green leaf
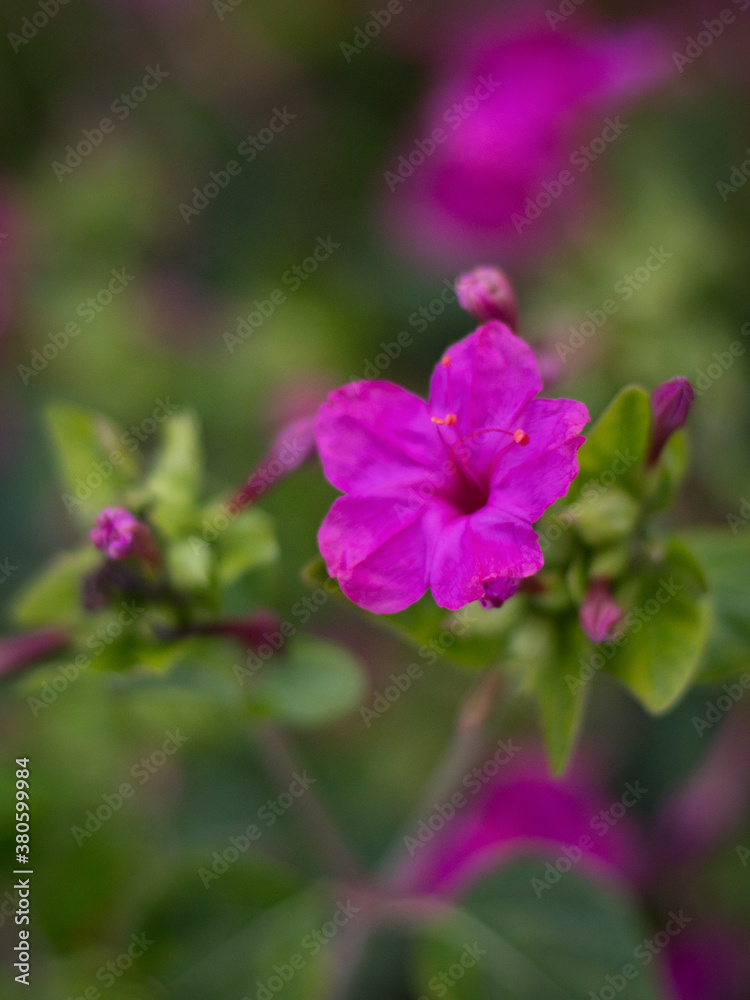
{"x": 190, "y": 563}
{"x": 176, "y": 477}
{"x": 54, "y": 596}
{"x": 664, "y": 629}
{"x": 94, "y": 463}
{"x": 245, "y": 543}
{"x": 517, "y": 943}
{"x": 313, "y": 683}
{"x": 616, "y": 446}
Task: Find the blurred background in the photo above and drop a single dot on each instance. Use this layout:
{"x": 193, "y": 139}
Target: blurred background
{"x": 231, "y": 207}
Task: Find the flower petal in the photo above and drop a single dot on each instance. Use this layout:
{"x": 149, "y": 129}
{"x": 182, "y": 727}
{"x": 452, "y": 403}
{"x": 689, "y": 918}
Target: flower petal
{"x": 373, "y": 436}
{"x": 492, "y": 375}
{"x": 529, "y": 479}
{"x": 477, "y": 549}
{"x": 379, "y": 550}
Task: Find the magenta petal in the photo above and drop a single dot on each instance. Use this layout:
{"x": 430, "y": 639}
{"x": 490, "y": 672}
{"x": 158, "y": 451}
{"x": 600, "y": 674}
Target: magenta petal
{"x": 492, "y": 375}
{"x": 475, "y": 550}
{"x": 373, "y": 436}
{"x": 378, "y": 553}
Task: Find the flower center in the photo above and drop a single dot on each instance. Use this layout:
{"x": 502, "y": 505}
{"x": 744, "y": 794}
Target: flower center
{"x": 474, "y": 487}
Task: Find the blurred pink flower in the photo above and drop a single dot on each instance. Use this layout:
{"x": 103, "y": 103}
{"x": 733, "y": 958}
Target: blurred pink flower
{"x": 501, "y": 152}
{"x": 599, "y": 612}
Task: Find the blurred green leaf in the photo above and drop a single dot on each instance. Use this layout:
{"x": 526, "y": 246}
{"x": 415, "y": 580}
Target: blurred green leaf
{"x": 664, "y": 629}
{"x": 54, "y": 596}
{"x": 93, "y": 462}
{"x": 247, "y": 542}
{"x": 190, "y": 562}
{"x": 177, "y": 475}
{"x": 726, "y": 561}
{"x": 513, "y": 941}
{"x": 312, "y": 684}
{"x": 559, "y": 688}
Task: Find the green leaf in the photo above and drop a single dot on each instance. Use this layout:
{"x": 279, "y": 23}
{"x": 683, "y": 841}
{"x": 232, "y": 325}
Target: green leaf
{"x": 190, "y": 563}
{"x": 616, "y": 446}
{"x": 664, "y": 628}
{"x": 313, "y": 683}
{"x": 608, "y": 521}
{"x": 177, "y": 471}
{"x": 515, "y": 942}
{"x": 560, "y": 690}
{"x": 247, "y": 542}
{"x": 54, "y": 596}
{"x": 94, "y": 464}
{"x": 726, "y": 561}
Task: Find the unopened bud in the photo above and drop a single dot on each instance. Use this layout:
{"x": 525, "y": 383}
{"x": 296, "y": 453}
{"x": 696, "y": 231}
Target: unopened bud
{"x": 486, "y": 293}
{"x": 599, "y": 613}
{"x": 670, "y": 406}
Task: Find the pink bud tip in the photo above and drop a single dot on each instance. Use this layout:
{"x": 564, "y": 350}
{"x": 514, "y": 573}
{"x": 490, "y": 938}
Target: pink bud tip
{"x": 599, "y": 613}
{"x": 116, "y": 532}
{"x": 670, "y": 405}
{"x": 486, "y": 293}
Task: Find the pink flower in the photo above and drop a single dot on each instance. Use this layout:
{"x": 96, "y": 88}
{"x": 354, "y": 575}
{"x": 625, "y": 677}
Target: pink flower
{"x": 599, "y": 612}
{"x": 442, "y": 495}
{"x": 516, "y": 106}
{"x": 116, "y": 532}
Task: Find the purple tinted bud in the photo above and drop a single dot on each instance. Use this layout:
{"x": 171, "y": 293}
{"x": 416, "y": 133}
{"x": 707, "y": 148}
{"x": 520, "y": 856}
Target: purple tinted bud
{"x": 18, "y": 651}
{"x": 116, "y": 532}
{"x": 599, "y": 613}
{"x": 291, "y": 448}
{"x": 486, "y": 293}
{"x": 497, "y": 591}
{"x": 670, "y": 405}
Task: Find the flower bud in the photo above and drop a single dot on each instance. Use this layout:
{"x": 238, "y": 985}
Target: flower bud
{"x": 291, "y": 448}
{"x": 486, "y": 293}
{"x": 23, "y": 650}
{"x": 120, "y": 534}
{"x": 498, "y": 591}
{"x": 670, "y": 405}
{"x": 599, "y": 613}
